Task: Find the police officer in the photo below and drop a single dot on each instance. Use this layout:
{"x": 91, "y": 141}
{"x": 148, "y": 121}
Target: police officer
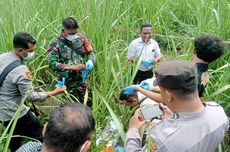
{"x": 192, "y": 126}
{"x": 16, "y": 85}
{"x": 70, "y": 55}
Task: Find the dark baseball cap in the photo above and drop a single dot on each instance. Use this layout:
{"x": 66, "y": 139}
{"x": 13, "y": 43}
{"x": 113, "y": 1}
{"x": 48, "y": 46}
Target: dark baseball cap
{"x": 176, "y": 75}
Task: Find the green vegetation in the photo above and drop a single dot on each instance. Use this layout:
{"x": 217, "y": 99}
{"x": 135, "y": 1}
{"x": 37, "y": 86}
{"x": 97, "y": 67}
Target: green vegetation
{"x": 110, "y": 25}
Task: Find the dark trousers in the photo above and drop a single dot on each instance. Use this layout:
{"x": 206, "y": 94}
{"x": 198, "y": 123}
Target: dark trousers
{"x": 142, "y": 75}
{"x": 79, "y": 93}
{"x": 27, "y": 125}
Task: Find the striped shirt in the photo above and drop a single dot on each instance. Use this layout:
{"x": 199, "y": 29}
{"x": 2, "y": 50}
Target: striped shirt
{"x": 32, "y": 146}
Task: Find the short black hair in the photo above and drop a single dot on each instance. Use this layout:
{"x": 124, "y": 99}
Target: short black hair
{"x": 186, "y": 93}
{"x": 145, "y": 25}
{"x": 69, "y": 127}
{"x": 22, "y": 39}
{"x": 127, "y": 97}
{"x": 209, "y": 47}
{"x": 70, "y": 23}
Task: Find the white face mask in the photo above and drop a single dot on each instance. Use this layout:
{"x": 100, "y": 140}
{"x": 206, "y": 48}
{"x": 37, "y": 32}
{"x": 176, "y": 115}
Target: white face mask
{"x": 71, "y": 37}
{"x": 29, "y": 56}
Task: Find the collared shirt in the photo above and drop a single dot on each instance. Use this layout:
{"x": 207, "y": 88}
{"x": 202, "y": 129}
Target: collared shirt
{"x": 145, "y": 101}
{"x": 32, "y": 146}
{"x": 63, "y": 53}
{"x": 138, "y": 48}
{"x": 16, "y": 85}
{"x": 185, "y": 132}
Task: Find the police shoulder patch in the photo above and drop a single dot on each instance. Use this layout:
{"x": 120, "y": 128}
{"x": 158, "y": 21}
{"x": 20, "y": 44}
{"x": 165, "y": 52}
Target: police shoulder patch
{"x": 29, "y": 74}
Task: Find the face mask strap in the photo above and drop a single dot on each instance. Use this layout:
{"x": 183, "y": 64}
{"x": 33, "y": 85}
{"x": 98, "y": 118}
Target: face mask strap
{"x": 83, "y": 146}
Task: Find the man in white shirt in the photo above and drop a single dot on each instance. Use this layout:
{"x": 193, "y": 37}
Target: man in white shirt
{"x": 147, "y": 50}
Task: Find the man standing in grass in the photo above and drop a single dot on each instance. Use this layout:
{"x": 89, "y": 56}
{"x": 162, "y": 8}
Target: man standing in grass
{"x": 15, "y": 84}
{"x": 70, "y": 55}
{"x": 147, "y": 50}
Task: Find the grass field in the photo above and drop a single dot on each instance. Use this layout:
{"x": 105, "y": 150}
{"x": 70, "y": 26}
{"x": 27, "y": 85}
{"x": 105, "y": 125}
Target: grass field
{"x": 110, "y": 25}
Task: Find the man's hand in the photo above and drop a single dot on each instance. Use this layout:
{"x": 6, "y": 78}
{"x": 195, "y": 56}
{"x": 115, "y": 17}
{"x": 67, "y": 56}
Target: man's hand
{"x": 157, "y": 59}
{"x": 57, "y": 90}
{"x": 77, "y": 67}
{"x": 60, "y": 89}
{"x": 167, "y": 111}
{"x": 147, "y": 63}
{"x": 89, "y": 65}
{"x": 130, "y": 89}
{"x": 145, "y": 85}
{"x": 136, "y": 121}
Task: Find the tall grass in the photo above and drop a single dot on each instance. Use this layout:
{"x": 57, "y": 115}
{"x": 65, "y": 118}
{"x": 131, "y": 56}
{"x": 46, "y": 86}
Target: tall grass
{"x": 97, "y": 19}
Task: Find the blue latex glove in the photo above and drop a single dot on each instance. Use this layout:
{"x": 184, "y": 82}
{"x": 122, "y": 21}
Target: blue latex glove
{"x": 84, "y": 74}
{"x": 60, "y": 83}
{"x": 119, "y": 149}
{"x": 147, "y": 63}
{"x": 129, "y": 89}
{"x": 145, "y": 85}
{"x": 89, "y": 65}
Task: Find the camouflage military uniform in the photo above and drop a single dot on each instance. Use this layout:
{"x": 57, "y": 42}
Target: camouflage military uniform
{"x": 63, "y": 53}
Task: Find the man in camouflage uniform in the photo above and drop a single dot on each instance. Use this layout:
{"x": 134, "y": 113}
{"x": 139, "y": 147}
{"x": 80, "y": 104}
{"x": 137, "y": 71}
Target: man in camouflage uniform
{"x": 67, "y": 56}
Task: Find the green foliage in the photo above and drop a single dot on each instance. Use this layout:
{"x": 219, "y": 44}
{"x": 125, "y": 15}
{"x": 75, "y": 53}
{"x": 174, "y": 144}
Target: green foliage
{"x": 98, "y": 19}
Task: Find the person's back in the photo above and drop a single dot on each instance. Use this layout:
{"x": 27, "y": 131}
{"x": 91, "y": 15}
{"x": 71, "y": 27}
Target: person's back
{"x": 194, "y": 132}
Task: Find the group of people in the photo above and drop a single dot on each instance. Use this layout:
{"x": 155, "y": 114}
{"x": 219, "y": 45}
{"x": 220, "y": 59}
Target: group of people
{"x": 188, "y": 124}
{"x": 71, "y": 57}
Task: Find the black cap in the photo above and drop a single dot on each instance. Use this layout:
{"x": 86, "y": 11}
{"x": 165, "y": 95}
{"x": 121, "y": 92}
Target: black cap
{"x": 176, "y": 75}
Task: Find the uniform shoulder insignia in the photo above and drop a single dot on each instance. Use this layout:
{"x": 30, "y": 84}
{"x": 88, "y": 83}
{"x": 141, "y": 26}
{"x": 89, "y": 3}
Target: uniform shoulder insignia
{"x": 204, "y": 78}
{"x": 150, "y": 146}
{"x": 29, "y": 74}
{"x": 212, "y": 103}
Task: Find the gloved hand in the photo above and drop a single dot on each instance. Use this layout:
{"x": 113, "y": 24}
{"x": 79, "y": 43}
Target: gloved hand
{"x": 119, "y": 149}
{"x": 130, "y": 89}
{"x": 89, "y": 65}
{"x": 84, "y": 74}
{"x": 145, "y": 85}
{"x": 147, "y": 63}
{"x": 60, "y": 83}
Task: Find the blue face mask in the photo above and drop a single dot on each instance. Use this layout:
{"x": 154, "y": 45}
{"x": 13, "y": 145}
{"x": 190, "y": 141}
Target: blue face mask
{"x": 29, "y": 56}
{"x": 71, "y": 37}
